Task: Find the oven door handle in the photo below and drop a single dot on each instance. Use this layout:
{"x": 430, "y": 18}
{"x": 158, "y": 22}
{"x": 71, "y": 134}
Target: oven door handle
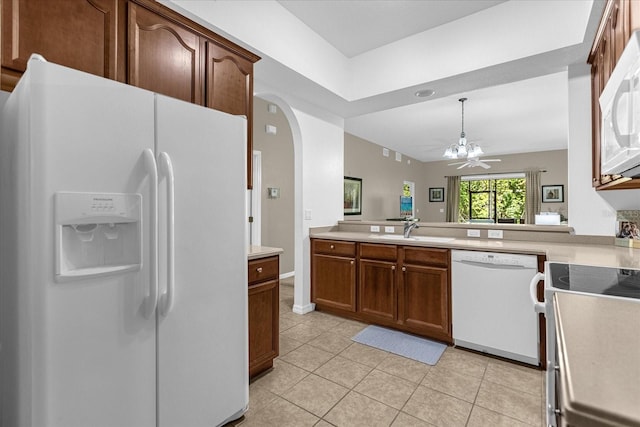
{"x": 533, "y": 292}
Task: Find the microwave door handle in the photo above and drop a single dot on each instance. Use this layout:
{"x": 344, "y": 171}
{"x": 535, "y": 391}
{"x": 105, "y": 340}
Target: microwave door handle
{"x": 622, "y": 140}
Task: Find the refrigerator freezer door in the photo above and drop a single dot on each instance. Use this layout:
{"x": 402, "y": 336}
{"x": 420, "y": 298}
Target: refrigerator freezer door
{"x": 79, "y": 353}
{"x": 202, "y": 340}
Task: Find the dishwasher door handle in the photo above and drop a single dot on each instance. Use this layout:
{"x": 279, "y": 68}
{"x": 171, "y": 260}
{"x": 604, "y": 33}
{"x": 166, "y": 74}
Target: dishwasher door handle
{"x": 538, "y": 307}
{"x": 492, "y": 266}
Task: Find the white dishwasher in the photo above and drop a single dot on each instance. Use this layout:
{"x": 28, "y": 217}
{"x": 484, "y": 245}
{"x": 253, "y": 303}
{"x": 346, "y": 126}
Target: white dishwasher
{"x": 492, "y": 310}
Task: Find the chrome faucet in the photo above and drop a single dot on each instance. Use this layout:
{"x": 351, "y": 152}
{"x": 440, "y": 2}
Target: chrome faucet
{"x": 409, "y": 225}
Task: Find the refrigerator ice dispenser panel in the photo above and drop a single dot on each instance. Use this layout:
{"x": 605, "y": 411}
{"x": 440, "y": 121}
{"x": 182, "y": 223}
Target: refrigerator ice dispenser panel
{"x": 97, "y": 234}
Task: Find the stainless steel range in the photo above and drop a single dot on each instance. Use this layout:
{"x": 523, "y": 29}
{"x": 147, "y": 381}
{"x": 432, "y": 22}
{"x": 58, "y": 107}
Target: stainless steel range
{"x": 601, "y": 282}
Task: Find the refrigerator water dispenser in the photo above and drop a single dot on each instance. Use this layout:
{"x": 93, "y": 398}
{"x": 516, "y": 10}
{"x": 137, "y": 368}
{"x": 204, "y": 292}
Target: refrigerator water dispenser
{"x": 97, "y": 234}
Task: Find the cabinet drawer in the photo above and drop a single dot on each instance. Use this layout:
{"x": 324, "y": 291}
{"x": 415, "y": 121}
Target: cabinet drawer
{"x": 333, "y": 247}
{"x": 375, "y": 251}
{"x": 263, "y": 269}
{"x": 430, "y": 256}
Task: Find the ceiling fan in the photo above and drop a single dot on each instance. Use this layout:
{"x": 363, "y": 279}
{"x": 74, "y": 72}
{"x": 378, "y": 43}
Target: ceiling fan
{"x": 473, "y": 162}
{"x": 471, "y": 150}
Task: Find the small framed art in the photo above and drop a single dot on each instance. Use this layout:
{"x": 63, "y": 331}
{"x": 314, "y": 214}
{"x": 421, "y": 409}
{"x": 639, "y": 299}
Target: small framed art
{"x": 352, "y": 196}
{"x": 436, "y": 194}
{"x": 552, "y": 193}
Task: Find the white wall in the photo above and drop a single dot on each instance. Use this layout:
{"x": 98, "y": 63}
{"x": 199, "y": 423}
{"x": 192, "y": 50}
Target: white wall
{"x": 590, "y": 212}
{"x": 318, "y": 146}
{"x": 322, "y": 182}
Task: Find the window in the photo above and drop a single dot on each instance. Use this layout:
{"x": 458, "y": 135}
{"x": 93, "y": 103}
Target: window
{"x": 492, "y": 198}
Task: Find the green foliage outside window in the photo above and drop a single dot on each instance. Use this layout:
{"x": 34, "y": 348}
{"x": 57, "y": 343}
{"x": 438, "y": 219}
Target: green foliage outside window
{"x": 492, "y": 199}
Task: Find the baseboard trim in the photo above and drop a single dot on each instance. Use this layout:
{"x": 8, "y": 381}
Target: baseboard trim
{"x": 303, "y": 309}
{"x": 287, "y": 275}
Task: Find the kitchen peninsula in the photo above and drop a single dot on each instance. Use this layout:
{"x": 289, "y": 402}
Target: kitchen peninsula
{"x": 555, "y": 242}
{"x": 353, "y": 270}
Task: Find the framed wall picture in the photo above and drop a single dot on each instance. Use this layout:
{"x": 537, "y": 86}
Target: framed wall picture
{"x": 436, "y": 194}
{"x": 552, "y": 193}
{"x": 352, "y": 196}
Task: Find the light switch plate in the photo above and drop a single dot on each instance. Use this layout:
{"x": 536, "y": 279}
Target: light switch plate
{"x": 494, "y": 234}
{"x": 473, "y": 233}
{"x": 307, "y": 214}
{"x": 375, "y": 228}
{"x": 389, "y": 229}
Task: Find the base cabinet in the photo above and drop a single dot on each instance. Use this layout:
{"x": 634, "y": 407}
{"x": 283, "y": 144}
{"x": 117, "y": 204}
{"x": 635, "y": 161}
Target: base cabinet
{"x": 377, "y": 289}
{"x": 377, "y": 285}
{"x": 264, "y": 300}
{"x": 403, "y": 287}
{"x": 333, "y": 275}
{"x": 424, "y": 299}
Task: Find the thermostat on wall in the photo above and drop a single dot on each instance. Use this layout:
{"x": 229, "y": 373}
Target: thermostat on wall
{"x": 273, "y": 192}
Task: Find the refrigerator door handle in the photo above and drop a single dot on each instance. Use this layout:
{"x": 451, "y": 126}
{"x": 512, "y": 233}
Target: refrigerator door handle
{"x": 166, "y": 300}
{"x": 152, "y": 170}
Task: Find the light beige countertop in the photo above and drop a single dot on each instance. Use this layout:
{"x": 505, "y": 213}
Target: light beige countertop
{"x": 606, "y": 255}
{"x": 599, "y": 359}
{"x": 256, "y": 252}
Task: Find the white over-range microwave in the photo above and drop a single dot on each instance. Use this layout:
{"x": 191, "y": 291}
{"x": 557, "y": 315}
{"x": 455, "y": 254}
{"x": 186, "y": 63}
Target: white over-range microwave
{"x": 620, "y": 106}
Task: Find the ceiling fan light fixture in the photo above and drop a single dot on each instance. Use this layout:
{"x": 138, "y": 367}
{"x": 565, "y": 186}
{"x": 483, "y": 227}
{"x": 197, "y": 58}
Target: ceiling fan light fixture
{"x": 474, "y": 151}
{"x": 449, "y": 153}
{"x": 462, "y": 148}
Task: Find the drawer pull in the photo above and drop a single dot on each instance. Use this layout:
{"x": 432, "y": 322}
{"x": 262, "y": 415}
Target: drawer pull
{"x": 352, "y": 262}
{"x": 393, "y": 268}
{"x": 404, "y": 268}
{"x": 259, "y": 269}
{"x": 333, "y": 247}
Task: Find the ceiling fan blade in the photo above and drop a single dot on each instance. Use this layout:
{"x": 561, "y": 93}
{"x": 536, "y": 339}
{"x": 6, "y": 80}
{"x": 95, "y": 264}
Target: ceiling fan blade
{"x": 463, "y": 165}
{"x": 456, "y": 163}
{"x": 491, "y": 160}
{"x": 483, "y": 165}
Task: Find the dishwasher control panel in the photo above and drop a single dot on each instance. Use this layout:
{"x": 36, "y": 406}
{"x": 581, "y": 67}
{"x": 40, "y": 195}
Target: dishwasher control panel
{"x": 495, "y": 258}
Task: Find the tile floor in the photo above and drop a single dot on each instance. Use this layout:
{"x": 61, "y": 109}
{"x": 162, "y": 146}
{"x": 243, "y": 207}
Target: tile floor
{"x": 322, "y": 378}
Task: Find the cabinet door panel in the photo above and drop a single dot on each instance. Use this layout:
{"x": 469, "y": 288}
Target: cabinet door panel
{"x": 333, "y": 282}
{"x": 80, "y": 34}
{"x": 377, "y": 290}
{"x": 263, "y": 323}
{"x": 425, "y": 298}
{"x": 228, "y": 81}
{"x": 164, "y": 57}
{"x": 229, "y": 88}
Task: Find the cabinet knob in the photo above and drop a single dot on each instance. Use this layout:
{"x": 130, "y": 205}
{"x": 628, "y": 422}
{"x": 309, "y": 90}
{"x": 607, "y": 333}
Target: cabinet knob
{"x": 352, "y": 262}
{"x": 332, "y": 247}
{"x": 404, "y": 268}
{"x": 393, "y": 268}
{"x": 259, "y": 269}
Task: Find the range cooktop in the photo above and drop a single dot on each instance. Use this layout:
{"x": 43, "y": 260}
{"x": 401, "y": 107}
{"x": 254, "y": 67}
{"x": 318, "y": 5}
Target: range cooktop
{"x": 619, "y": 282}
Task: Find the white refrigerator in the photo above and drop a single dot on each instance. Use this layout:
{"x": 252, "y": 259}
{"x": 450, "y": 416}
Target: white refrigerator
{"x": 123, "y": 265}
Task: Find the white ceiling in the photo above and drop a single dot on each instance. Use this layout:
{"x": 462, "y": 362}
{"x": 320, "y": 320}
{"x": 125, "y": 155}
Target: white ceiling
{"x": 355, "y": 27}
{"x": 362, "y": 61}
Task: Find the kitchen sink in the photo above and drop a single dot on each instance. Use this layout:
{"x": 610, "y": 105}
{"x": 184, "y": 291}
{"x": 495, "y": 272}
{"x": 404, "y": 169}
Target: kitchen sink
{"x": 400, "y": 237}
